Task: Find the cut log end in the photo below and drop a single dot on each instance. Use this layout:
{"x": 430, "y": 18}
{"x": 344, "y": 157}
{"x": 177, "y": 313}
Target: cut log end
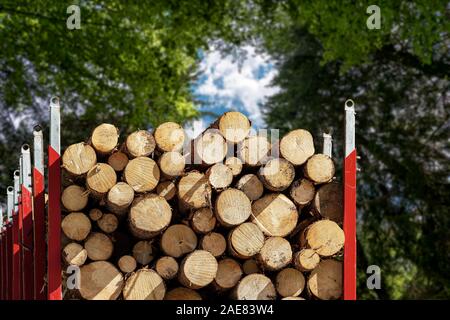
{"x": 108, "y": 286}
{"x": 198, "y": 269}
{"x": 290, "y": 282}
{"x": 233, "y": 207}
{"x": 76, "y": 226}
{"x": 275, "y": 214}
{"x": 214, "y": 243}
{"x": 255, "y": 287}
{"x": 251, "y": 186}
{"x": 324, "y": 237}
{"x": 182, "y": 293}
{"x": 108, "y": 223}
{"x": 127, "y": 264}
{"x": 319, "y": 168}
{"x": 235, "y": 164}
{"x": 325, "y": 281}
{"x": 297, "y": 146}
{"x": 142, "y": 174}
{"x": 167, "y": 189}
{"x": 178, "y": 240}
{"x": 306, "y": 260}
{"x": 277, "y": 174}
{"x": 254, "y": 150}
{"x": 98, "y": 246}
{"x": 203, "y": 221}
{"x": 246, "y": 240}
{"x": 171, "y": 164}
{"x": 144, "y": 284}
{"x": 250, "y": 266}
{"x": 167, "y": 267}
{"x": 119, "y": 198}
{"x": 328, "y": 202}
{"x": 219, "y": 176}
{"x": 105, "y": 138}
{"x": 194, "y": 190}
{"x": 209, "y": 148}
{"x": 275, "y": 254}
{"x": 100, "y": 179}
{"x": 169, "y": 136}
{"x": 95, "y": 214}
{"x": 74, "y": 254}
{"x": 140, "y": 144}
{"x": 149, "y": 216}
{"x": 302, "y": 192}
{"x": 143, "y": 252}
{"x": 234, "y": 126}
{"x": 74, "y": 198}
{"x": 229, "y": 272}
{"x": 79, "y": 158}
{"x": 118, "y": 161}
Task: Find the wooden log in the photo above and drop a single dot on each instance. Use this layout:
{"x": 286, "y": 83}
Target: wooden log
{"x": 108, "y": 286}
{"x": 149, "y": 215}
{"x": 98, "y": 246}
{"x": 182, "y": 293}
{"x": 167, "y": 189}
{"x": 169, "y": 136}
{"x": 275, "y": 254}
{"x": 95, "y": 214}
{"x": 293, "y": 298}
{"x": 302, "y": 192}
{"x": 203, "y": 220}
{"x": 108, "y": 223}
{"x": 232, "y": 207}
{"x": 277, "y": 174}
{"x": 251, "y": 186}
{"x": 79, "y": 158}
{"x": 328, "y": 202}
{"x": 219, "y": 176}
{"x": 142, "y": 174}
{"x": 100, "y": 179}
{"x": 250, "y": 266}
{"x": 275, "y": 214}
{"x": 255, "y": 286}
{"x": 144, "y": 284}
{"x": 127, "y": 264}
{"x": 167, "y": 267}
{"x": 143, "y": 252}
{"x": 104, "y": 138}
{"x": 209, "y": 148}
{"x": 325, "y": 281}
{"x": 319, "y": 168}
{"x": 325, "y": 237}
{"x": 194, "y": 190}
{"x": 198, "y": 269}
{"x": 229, "y": 272}
{"x": 118, "y": 160}
{"x": 297, "y": 146}
{"x": 178, "y": 240}
{"x": 140, "y": 143}
{"x": 119, "y": 198}
{"x": 214, "y": 243}
{"x": 74, "y": 254}
{"x": 235, "y": 164}
{"x": 290, "y": 282}
{"x": 246, "y": 240}
{"x": 254, "y": 150}
{"x": 76, "y": 226}
{"x": 74, "y": 198}
{"x": 171, "y": 164}
{"x": 234, "y": 126}
{"x": 306, "y": 260}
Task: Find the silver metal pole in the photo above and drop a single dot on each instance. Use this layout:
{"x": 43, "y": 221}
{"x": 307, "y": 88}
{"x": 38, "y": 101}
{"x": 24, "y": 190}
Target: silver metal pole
{"x": 10, "y": 201}
{"x": 16, "y": 190}
{"x": 26, "y": 166}
{"x": 327, "y": 144}
{"x": 38, "y": 149}
{"x": 349, "y": 126}
{"x": 55, "y": 122}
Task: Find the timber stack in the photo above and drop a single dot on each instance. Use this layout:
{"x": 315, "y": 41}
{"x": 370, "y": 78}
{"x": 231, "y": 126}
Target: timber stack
{"x": 228, "y": 214}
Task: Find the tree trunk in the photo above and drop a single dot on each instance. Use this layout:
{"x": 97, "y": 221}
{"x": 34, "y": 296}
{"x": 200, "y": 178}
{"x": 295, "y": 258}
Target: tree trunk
{"x": 235, "y": 164}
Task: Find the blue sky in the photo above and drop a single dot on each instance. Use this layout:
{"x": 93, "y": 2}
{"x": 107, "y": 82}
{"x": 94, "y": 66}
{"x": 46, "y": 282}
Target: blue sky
{"x": 226, "y": 84}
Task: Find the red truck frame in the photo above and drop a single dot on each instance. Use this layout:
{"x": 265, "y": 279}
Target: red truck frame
{"x": 30, "y": 265}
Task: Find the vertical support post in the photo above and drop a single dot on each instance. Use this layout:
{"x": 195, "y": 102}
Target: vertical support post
{"x": 16, "y": 252}
{"x": 9, "y": 250}
{"x": 27, "y": 225}
{"x": 39, "y": 215}
{"x": 54, "y": 208}
{"x": 327, "y": 144}
{"x": 350, "y": 203}
{"x": 2, "y": 257}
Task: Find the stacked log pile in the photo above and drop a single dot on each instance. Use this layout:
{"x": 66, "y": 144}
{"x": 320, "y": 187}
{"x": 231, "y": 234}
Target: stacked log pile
{"x": 228, "y": 214}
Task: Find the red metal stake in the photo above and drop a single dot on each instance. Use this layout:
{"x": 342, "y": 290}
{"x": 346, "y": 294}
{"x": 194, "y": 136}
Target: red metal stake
{"x": 54, "y": 208}
{"x": 27, "y": 226}
{"x": 350, "y": 203}
{"x": 39, "y": 216}
{"x": 2, "y": 258}
{"x": 9, "y": 249}
{"x": 16, "y": 272}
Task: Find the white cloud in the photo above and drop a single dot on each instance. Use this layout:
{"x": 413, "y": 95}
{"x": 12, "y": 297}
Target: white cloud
{"x": 225, "y": 82}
